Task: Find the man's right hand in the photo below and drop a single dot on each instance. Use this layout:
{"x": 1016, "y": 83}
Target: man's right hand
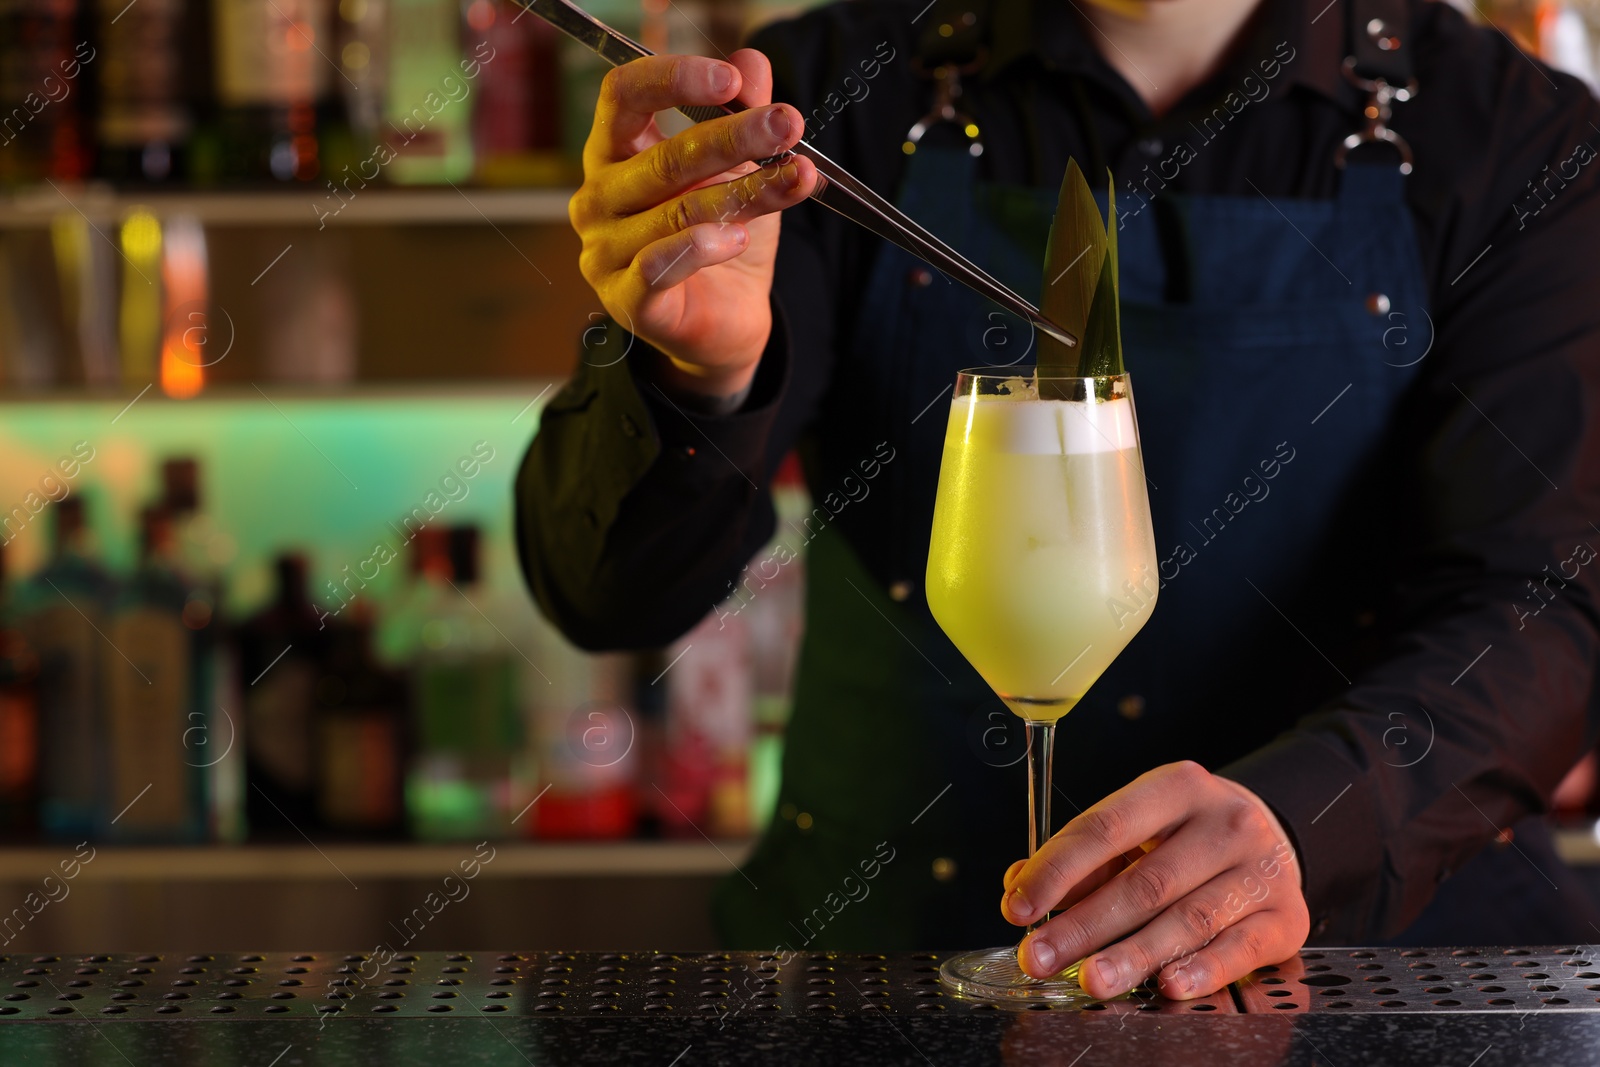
{"x": 680, "y": 235}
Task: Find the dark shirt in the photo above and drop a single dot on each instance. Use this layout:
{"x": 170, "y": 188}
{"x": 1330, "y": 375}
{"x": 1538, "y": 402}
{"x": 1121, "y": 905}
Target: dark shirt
{"x": 635, "y": 514}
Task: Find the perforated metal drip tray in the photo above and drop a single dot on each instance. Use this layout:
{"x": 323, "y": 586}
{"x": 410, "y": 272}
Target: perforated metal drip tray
{"x": 1368, "y": 980}
{"x": 221, "y": 986}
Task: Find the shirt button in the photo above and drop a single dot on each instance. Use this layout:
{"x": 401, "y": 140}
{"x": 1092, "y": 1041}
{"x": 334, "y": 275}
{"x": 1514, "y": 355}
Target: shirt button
{"x": 1377, "y": 304}
{"x": 944, "y": 869}
{"x": 1151, "y": 146}
{"x": 919, "y": 278}
{"x": 630, "y": 427}
{"x": 900, "y": 590}
{"x": 1131, "y": 706}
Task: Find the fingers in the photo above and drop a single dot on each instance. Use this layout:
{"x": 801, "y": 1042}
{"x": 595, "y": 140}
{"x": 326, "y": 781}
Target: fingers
{"x": 1151, "y": 806}
{"x": 1189, "y": 925}
{"x": 1256, "y": 940}
{"x": 1140, "y": 893}
{"x": 756, "y": 72}
{"x": 758, "y": 193}
{"x": 672, "y": 260}
{"x": 631, "y": 94}
{"x": 700, "y": 153}
{"x": 616, "y": 247}
{"x": 1094, "y": 880}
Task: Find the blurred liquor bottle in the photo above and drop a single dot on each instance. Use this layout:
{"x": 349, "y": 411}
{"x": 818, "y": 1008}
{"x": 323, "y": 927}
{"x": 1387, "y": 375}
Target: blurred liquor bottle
{"x": 591, "y": 739}
{"x": 429, "y": 93}
{"x": 35, "y": 339}
{"x": 1557, "y": 31}
{"x": 278, "y": 118}
{"x": 205, "y": 550}
{"x": 704, "y": 776}
{"x": 19, "y": 722}
{"x": 86, "y": 278}
{"x": 66, "y": 607}
{"x": 158, "y": 689}
{"x": 44, "y": 47}
{"x": 464, "y": 779}
{"x": 362, "y": 37}
{"x": 185, "y": 326}
{"x": 147, "y": 71}
{"x": 359, "y": 735}
{"x": 204, "y": 547}
{"x": 281, "y": 653}
{"x": 517, "y": 123}
{"x": 140, "y": 329}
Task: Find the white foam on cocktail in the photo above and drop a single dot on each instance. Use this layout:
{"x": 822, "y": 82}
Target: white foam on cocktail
{"x": 1043, "y": 427}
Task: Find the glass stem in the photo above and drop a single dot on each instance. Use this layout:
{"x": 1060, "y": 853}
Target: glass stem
{"x": 1041, "y": 745}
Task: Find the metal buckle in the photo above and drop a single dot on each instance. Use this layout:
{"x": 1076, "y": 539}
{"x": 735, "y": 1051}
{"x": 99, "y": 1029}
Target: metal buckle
{"x": 946, "y": 93}
{"x": 1381, "y": 95}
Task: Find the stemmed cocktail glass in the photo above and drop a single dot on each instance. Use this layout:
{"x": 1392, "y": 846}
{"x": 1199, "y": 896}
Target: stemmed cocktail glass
{"x": 1041, "y": 569}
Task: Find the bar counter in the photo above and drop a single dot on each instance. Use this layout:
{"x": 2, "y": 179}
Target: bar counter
{"x": 1475, "y": 1007}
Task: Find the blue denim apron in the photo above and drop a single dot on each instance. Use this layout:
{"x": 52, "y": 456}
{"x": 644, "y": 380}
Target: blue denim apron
{"x": 1271, "y": 345}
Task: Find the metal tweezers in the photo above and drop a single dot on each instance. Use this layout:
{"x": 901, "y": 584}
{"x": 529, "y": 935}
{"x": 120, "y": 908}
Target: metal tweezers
{"x": 836, "y": 189}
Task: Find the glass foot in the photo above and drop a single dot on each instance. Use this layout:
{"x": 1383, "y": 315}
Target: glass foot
{"x": 994, "y": 974}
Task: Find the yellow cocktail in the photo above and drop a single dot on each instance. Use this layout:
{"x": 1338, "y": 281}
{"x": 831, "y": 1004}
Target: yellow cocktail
{"x": 1042, "y": 565}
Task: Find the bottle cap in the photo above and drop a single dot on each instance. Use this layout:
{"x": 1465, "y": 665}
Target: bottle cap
{"x": 291, "y": 569}
{"x": 464, "y": 560}
{"x": 68, "y": 518}
{"x": 180, "y": 484}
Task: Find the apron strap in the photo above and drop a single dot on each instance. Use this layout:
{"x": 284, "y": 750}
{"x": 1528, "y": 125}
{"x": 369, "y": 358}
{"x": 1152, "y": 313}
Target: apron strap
{"x": 1379, "y": 40}
{"x": 1379, "y": 64}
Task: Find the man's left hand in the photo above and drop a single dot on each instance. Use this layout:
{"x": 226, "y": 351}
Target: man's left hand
{"x": 1192, "y": 872}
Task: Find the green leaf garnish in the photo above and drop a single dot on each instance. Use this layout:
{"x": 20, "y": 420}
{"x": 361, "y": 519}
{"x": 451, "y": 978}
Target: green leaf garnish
{"x": 1081, "y": 290}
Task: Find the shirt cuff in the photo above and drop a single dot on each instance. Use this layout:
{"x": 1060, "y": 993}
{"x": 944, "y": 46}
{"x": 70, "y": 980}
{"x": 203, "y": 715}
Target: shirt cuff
{"x": 709, "y": 447}
{"x": 1323, "y": 802}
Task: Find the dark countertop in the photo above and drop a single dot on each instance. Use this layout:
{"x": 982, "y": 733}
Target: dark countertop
{"x": 1463, "y": 1007}
{"x": 1053, "y": 1040}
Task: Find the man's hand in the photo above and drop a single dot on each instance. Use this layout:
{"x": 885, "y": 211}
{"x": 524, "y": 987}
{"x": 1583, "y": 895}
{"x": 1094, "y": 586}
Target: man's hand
{"x": 1193, "y": 872}
{"x": 680, "y": 235}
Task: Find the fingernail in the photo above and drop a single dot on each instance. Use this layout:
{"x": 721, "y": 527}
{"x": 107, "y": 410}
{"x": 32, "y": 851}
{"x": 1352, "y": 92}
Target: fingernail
{"x": 1179, "y": 983}
{"x": 778, "y": 123}
{"x": 721, "y": 79}
{"x": 1108, "y": 974}
{"x": 1044, "y": 957}
{"x": 1019, "y": 905}
{"x": 791, "y": 176}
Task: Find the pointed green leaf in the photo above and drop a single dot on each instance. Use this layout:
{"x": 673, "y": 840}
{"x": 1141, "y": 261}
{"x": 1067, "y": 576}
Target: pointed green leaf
{"x": 1099, "y": 347}
{"x": 1114, "y": 360}
{"x": 1072, "y": 270}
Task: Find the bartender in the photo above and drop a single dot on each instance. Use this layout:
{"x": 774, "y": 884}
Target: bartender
{"x": 1358, "y": 299}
